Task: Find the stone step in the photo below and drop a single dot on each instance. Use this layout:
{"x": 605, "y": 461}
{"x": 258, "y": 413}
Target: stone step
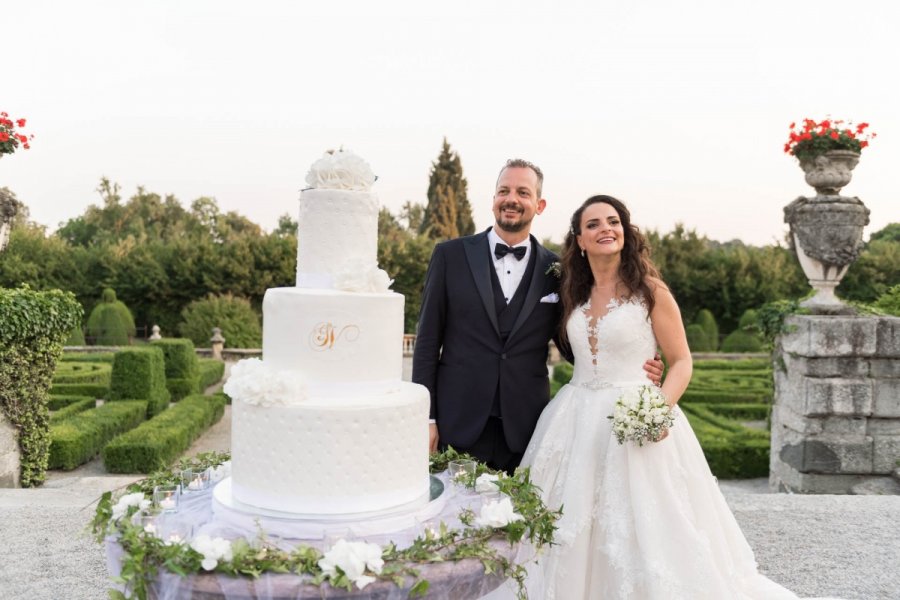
{"x": 878, "y": 486}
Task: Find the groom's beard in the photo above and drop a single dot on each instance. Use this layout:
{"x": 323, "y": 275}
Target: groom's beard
{"x": 512, "y": 226}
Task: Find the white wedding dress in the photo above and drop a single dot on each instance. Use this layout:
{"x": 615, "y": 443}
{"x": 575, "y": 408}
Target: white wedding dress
{"x": 638, "y": 522}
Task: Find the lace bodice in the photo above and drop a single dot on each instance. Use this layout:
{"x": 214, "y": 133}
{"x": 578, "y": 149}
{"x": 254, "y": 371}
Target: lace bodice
{"x": 624, "y": 341}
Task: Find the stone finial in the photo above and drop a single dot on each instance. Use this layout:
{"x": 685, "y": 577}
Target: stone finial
{"x": 155, "y": 335}
{"x": 9, "y": 207}
{"x": 218, "y": 343}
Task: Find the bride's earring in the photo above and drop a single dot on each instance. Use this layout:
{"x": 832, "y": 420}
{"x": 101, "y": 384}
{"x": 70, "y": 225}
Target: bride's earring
{"x": 582, "y": 253}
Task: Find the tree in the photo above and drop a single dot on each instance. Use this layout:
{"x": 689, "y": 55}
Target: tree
{"x": 448, "y": 213}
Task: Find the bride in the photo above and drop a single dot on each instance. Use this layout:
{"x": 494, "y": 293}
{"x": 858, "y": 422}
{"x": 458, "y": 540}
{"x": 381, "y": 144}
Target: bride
{"x": 639, "y": 522}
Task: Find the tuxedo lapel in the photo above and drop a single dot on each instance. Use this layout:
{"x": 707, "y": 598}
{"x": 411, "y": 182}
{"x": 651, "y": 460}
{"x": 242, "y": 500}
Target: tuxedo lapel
{"x": 535, "y": 287}
{"x": 480, "y": 264}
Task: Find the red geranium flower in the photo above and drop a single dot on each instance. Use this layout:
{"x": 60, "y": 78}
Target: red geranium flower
{"x": 10, "y": 139}
{"x": 830, "y": 134}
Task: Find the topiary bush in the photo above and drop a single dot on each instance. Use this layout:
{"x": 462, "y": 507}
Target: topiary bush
{"x": 76, "y": 337}
{"x": 211, "y": 372}
{"x": 697, "y": 339}
{"x": 80, "y": 438}
{"x": 707, "y": 322}
{"x": 33, "y": 327}
{"x": 240, "y": 324}
{"x": 110, "y": 323}
{"x": 746, "y": 337}
{"x": 182, "y": 370}
{"x": 140, "y": 374}
{"x": 156, "y": 443}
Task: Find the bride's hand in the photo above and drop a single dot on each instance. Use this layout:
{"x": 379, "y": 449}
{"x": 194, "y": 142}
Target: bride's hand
{"x": 662, "y": 436}
{"x": 654, "y": 368}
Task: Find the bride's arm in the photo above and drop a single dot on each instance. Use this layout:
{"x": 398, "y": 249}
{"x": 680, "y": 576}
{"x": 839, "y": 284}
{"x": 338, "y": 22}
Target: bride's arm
{"x": 669, "y": 331}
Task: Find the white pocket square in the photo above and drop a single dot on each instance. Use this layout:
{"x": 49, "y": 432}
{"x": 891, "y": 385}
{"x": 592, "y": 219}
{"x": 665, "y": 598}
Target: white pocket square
{"x": 550, "y": 298}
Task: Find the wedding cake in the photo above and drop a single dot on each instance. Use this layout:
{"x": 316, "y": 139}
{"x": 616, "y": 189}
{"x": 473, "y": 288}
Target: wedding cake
{"x": 323, "y": 424}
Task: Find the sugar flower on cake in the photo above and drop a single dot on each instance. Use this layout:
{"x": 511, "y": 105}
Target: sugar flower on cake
{"x": 212, "y": 549}
{"x": 341, "y": 170}
{"x": 353, "y": 559}
{"x": 254, "y": 382}
{"x": 498, "y": 514}
{"x": 127, "y": 501}
{"x": 359, "y": 276}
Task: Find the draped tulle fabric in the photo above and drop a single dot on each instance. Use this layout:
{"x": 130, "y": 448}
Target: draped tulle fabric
{"x": 638, "y": 522}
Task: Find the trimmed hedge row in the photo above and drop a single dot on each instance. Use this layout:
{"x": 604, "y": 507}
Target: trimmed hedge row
{"x": 140, "y": 374}
{"x": 93, "y": 390}
{"x": 156, "y": 443}
{"x": 81, "y": 437}
{"x": 82, "y": 372}
{"x": 211, "y": 372}
{"x": 64, "y": 400}
{"x": 72, "y": 409}
{"x": 91, "y": 357}
{"x": 732, "y": 451}
{"x": 740, "y": 411}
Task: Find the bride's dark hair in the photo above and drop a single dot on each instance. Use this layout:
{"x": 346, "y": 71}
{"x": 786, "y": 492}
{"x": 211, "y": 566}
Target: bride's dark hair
{"x": 634, "y": 269}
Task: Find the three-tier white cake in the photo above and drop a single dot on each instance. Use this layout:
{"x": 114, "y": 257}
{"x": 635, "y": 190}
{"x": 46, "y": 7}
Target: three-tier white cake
{"x": 323, "y": 424}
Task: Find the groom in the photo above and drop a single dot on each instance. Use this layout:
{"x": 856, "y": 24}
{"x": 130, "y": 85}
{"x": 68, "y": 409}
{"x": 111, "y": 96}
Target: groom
{"x": 489, "y": 308}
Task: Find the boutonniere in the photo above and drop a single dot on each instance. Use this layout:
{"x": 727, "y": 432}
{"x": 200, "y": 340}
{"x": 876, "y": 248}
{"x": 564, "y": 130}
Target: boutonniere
{"x": 554, "y": 269}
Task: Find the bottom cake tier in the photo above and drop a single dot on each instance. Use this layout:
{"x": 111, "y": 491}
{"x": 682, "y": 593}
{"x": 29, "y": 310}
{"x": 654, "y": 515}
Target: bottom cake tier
{"x": 333, "y": 455}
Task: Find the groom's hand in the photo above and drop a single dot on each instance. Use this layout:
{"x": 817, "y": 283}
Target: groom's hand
{"x": 432, "y": 438}
{"x": 654, "y": 368}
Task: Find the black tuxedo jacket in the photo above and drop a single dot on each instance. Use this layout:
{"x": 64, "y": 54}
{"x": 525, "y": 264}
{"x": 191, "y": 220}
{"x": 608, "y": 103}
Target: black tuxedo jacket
{"x": 460, "y": 356}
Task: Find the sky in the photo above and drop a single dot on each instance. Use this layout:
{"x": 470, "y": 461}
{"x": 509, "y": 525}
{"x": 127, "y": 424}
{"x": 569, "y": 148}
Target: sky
{"x": 681, "y": 109}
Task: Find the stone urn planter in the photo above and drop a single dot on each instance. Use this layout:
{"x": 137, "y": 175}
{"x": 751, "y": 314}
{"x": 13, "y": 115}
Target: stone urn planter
{"x": 831, "y": 171}
{"x": 827, "y": 234}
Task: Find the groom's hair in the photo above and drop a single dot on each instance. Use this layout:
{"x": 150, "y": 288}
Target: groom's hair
{"x": 521, "y": 163}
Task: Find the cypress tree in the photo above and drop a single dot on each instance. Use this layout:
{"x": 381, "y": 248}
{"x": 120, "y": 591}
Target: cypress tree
{"x": 448, "y": 213}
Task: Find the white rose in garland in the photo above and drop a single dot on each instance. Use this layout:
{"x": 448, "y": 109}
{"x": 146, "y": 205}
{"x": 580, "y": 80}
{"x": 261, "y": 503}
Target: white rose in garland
{"x": 486, "y": 482}
{"x": 498, "y": 514}
{"x": 127, "y": 501}
{"x": 352, "y": 559}
{"x": 212, "y": 549}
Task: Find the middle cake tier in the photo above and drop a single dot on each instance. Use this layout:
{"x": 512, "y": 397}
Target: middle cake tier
{"x": 342, "y": 339}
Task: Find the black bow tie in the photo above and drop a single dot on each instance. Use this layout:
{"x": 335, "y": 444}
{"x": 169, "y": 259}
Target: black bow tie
{"x": 501, "y": 250}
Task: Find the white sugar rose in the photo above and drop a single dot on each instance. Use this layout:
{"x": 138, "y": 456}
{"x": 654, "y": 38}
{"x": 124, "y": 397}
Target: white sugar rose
{"x": 341, "y": 170}
{"x": 361, "y": 276}
{"x": 253, "y": 382}
{"x": 498, "y": 514}
{"x": 353, "y": 559}
{"x": 486, "y": 483}
{"x": 212, "y": 549}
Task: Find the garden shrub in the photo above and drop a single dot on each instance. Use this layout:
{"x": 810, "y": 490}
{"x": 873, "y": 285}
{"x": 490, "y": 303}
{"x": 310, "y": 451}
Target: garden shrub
{"x": 889, "y": 301}
{"x": 744, "y": 411}
{"x": 182, "y": 372}
{"x": 72, "y": 409}
{"x": 33, "y": 327}
{"x": 211, "y": 372}
{"x": 81, "y": 437}
{"x": 707, "y": 321}
{"x": 140, "y": 374}
{"x": 240, "y": 324}
{"x": 76, "y": 337}
{"x": 156, "y": 443}
{"x": 697, "y": 339}
{"x": 82, "y": 372}
{"x": 60, "y": 402}
{"x": 110, "y": 323}
{"x": 746, "y": 338}
{"x": 94, "y": 390}
{"x": 732, "y": 450}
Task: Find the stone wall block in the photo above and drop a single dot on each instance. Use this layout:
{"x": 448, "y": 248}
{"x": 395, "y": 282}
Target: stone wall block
{"x": 831, "y": 336}
{"x": 790, "y": 390}
{"x": 878, "y": 427}
{"x": 886, "y": 454}
{"x": 884, "y": 368}
{"x": 796, "y": 340}
{"x": 887, "y": 398}
{"x": 829, "y": 454}
{"x": 829, "y": 396}
{"x": 10, "y": 465}
{"x": 888, "y": 345}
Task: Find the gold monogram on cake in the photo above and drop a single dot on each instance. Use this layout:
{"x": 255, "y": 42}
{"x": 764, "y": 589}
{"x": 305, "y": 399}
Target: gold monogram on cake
{"x": 325, "y": 335}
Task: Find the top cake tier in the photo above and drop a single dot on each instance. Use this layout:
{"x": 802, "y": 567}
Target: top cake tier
{"x": 337, "y": 232}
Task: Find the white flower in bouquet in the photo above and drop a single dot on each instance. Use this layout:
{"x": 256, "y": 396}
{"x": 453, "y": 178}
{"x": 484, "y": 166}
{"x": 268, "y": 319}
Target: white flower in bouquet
{"x": 212, "y": 549}
{"x": 498, "y": 514}
{"x": 127, "y": 501}
{"x": 641, "y": 415}
{"x": 353, "y": 559}
{"x": 486, "y": 483}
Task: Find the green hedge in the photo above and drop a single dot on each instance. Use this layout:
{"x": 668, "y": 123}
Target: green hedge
{"x": 211, "y": 372}
{"x": 140, "y": 374}
{"x": 62, "y": 401}
{"x": 158, "y": 442}
{"x": 740, "y": 411}
{"x": 72, "y": 409}
{"x": 81, "y": 437}
{"x": 715, "y": 396}
{"x": 182, "y": 372}
{"x": 93, "y": 390}
{"x": 106, "y": 357}
{"x": 33, "y": 327}
{"x": 82, "y": 372}
{"x": 732, "y": 450}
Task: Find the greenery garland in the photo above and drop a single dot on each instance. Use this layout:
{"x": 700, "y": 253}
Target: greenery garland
{"x": 144, "y": 554}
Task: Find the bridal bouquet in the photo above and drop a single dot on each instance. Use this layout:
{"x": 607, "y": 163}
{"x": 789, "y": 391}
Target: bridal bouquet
{"x": 641, "y": 415}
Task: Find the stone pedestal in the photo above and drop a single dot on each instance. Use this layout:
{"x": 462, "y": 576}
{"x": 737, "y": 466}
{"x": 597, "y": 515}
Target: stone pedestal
{"x": 836, "y": 419}
{"x": 9, "y": 454}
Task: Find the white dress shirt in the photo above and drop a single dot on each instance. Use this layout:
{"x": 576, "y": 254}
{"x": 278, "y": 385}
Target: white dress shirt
{"x": 509, "y": 269}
